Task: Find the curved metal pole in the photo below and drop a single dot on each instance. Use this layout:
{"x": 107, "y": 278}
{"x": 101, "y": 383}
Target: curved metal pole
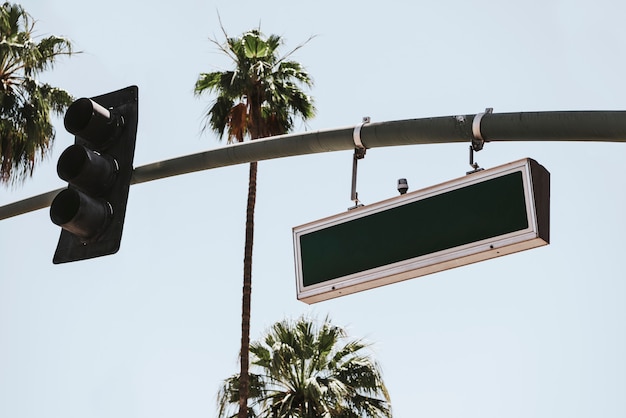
{"x": 593, "y": 126}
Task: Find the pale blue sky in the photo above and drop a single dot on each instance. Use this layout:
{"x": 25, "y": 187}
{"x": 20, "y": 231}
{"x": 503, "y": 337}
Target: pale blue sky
{"x": 152, "y": 330}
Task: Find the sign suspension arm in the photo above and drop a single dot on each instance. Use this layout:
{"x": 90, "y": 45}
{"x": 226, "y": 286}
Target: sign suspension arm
{"x": 359, "y": 154}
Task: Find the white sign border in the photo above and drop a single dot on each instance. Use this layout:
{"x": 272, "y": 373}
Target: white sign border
{"x": 431, "y": 263}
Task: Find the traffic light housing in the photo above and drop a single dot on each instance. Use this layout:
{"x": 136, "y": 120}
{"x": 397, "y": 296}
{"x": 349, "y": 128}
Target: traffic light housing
{"x": 98, "y": 169}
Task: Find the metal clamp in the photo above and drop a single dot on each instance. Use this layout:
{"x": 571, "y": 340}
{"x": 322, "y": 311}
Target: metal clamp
{"x": 478, "y": 141}
{"x": 356, "y": 135}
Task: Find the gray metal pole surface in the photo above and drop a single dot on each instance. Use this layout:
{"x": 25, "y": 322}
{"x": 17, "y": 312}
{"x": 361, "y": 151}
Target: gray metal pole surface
{"x": 602, "y": 126}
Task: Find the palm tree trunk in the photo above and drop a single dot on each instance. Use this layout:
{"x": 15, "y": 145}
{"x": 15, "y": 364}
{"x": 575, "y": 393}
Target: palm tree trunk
{"x": 244, "y": 377}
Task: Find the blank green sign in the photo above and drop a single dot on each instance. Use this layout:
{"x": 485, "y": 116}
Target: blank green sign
{"x": 473, "y": 213}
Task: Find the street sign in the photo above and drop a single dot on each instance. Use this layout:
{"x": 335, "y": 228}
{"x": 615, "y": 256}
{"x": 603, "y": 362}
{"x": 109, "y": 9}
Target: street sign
{"x": 483, "y": 215}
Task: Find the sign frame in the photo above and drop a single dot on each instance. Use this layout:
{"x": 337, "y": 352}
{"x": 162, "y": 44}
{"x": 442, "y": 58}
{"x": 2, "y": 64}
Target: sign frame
{"x": 536, "y": 190}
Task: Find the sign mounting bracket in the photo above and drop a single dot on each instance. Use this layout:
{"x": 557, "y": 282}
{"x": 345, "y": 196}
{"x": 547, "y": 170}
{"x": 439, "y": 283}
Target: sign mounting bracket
{"x": 478, "y": 142}
{"x": 359, "y": 154}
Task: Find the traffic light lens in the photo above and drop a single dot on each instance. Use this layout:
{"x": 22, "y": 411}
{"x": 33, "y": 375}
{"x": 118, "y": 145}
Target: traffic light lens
{"x": 64, "y": 207}
{"x": 71, "y": 162}
{"x": 80, "y": 214}
{"x": 93, "y": 123}
{"x": 78, "y": 115}
{"x": 86, "y": 169}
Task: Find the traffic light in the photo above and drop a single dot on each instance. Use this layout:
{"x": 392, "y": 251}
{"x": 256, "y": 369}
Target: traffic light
{"x": 98, "y": 168}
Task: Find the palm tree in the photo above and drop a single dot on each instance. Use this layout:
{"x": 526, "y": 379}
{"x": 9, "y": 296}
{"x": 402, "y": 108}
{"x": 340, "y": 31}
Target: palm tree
{"x": 259, "y": 97}
{"x": 306, "y": 370}
{"x": 26, "y": 133}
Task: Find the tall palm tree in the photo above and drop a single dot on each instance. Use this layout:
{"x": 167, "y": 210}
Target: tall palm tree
{"x": 26, "y": 133}
{"x": 259, "y": 97}
{"x": 306, "y": 370}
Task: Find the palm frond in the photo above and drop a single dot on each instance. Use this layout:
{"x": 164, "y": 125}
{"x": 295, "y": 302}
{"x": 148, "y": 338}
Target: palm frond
{"x": 269, "y": 85}
{"x": 26, "y": 105}
{"x": 309, "y": 369}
